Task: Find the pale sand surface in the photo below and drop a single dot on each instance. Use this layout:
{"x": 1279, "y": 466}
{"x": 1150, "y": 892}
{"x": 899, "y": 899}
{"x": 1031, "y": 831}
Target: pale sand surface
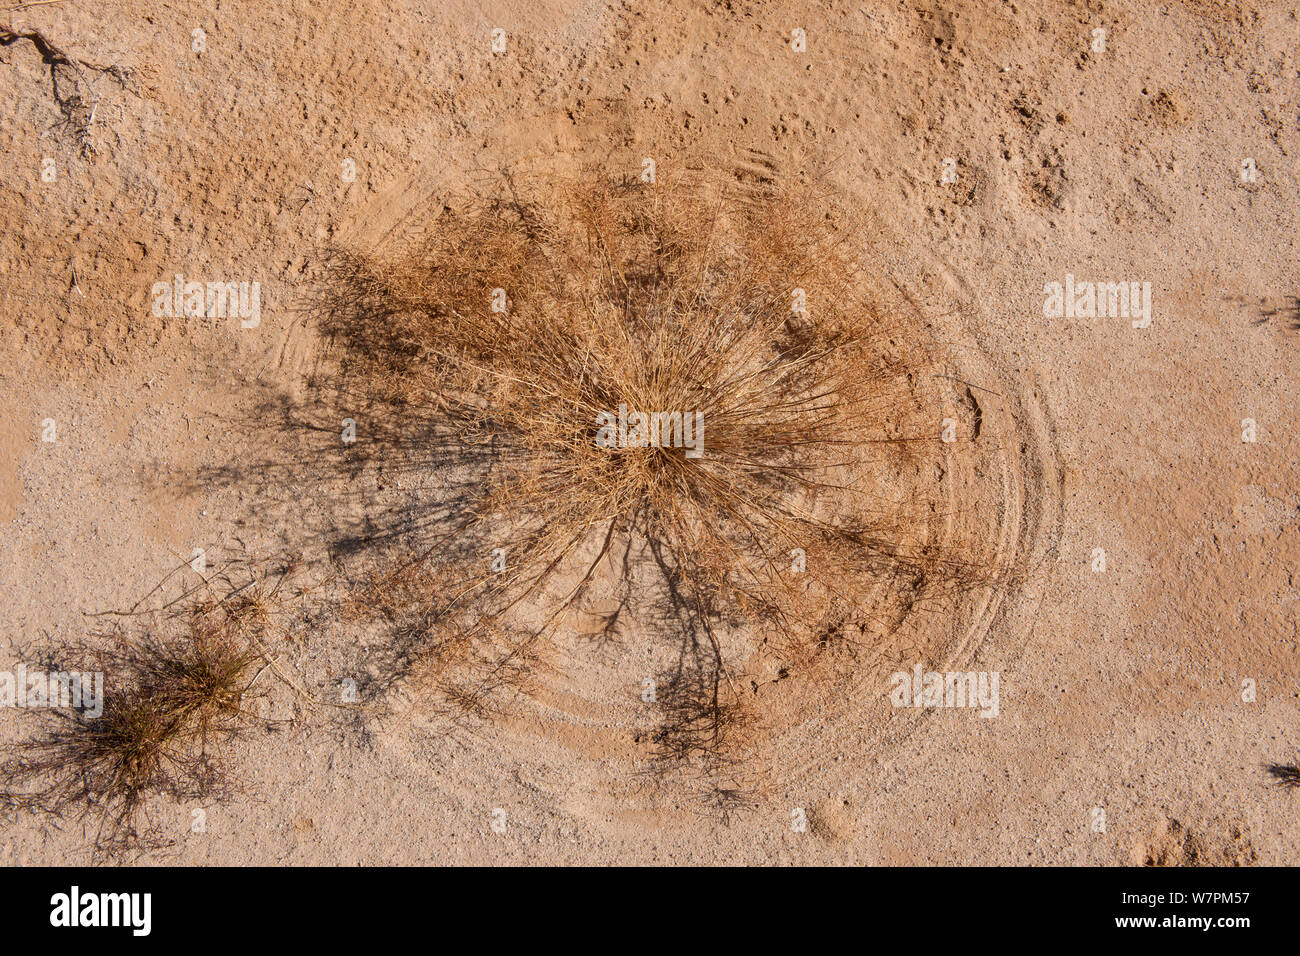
{"x": 1120, "y": 690}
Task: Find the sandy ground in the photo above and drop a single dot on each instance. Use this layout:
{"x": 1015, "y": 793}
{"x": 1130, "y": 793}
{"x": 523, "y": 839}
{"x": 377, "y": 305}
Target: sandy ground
{"x": 1121, "y": 689}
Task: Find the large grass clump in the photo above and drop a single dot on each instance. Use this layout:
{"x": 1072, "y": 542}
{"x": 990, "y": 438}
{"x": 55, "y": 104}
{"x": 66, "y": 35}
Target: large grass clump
{"x": 488, "y": 349}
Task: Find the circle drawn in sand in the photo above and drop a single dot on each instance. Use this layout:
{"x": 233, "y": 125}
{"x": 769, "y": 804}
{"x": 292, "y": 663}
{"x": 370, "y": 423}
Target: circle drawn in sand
{"x": 664, "y": 668}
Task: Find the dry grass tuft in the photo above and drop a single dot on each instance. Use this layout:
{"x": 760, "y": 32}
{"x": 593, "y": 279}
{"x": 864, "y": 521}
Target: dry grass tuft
{"x": 659, "y": 298}
{"x": 1285, "y": 774}
{"x": 167, "y": 702}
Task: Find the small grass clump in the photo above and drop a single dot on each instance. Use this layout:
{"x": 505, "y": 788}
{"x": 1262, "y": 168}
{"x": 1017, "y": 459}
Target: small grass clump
{"x": 167, "y": 703}
{"x": 1285, "y": 774}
